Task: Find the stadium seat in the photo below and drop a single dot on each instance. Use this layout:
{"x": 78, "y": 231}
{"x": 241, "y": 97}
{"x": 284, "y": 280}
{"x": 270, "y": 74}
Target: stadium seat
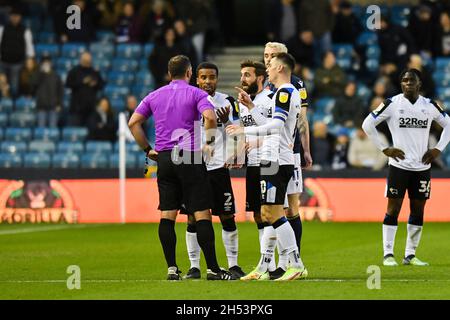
{"x": 47, "y": 49}
{"x": 66, "y": 147}
{"x": 101, "y": 64}
{"x": 47, "y": 25}
{"x": 46, "y": 37}
{"x": 324, "y": 106}
{"x": 442, "y": 64}
{"x": 447, "y": 159}
{"x": 36, "y": 160}
{"x": 117, "y": 104}
{"x": 105, "y": 36}
{"x": 130, "y": 161}
{"x": 363, "y": 92}
{"x": 42, "y": 146}
{"x": 94, "y": 161}
{"x": 130, "y": 147}
{"x": 343, "y": 50}
{"x": 443, "y": 93}
{"x": 10, "y": 160}
{"x": 46, "y": 134}
{"x": 112, "y": 91}
{"x": 367, "y": 38}
{"x": 124, "y": 65}
{"x": 145, "y": 78}
{"x": 102, "y": 50}
{"x": 74, "y": 133}
{"x": 344, "y": 63}
{"x": 400, "y": 14}
{"x": 373, "y": 52}
{"x": 13, "y": 147}
{"x": 140, "y": 91}
{"x": 72, "y": 50}
{"x": 6, "y": 105}
{"x": 63, "y": 160}
{"x": 372, "y": 65}
{"x": 22, "y": 119}
{"x": 143, "y": 64}
{"x": 148, "y": 48}
{"x": 64, "y": 63}
{"x": 25, "y": 104}
{"x": 120, "y": 78}
{"x": 18, "y": 134}
{"x": 1, "y": 134}
{"x": 129, "y": 50}
{"x": 99, "y": 146}
{"x": 3, "y": 120}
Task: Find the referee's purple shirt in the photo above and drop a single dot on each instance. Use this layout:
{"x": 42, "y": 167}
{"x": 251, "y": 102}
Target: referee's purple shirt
{"x": 177, "y": 109}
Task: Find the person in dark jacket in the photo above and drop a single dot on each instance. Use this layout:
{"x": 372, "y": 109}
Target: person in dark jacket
{"x": 128, "y": 28}
{"x": 349, "y": 109}
{"x": 49, "y": 94}
{"x": 16, "y": 44}
{"x": 101, "y": 122}
{"x": 85, "y": 82}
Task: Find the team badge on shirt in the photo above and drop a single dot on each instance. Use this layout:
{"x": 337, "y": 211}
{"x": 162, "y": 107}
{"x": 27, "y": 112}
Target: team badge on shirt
{"x": 303, "y": 94}
{"x": 283, "y": 97}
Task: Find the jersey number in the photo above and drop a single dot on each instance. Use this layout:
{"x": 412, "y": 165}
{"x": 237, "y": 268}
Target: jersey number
{"x": 424, "y": 186}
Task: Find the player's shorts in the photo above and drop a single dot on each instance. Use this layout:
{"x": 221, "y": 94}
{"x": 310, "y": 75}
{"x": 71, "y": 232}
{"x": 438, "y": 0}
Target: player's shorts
{"x": 274, "y": 186}
{"x": 182, "y": 184}
{"x": 418, "y": 183}
{"x": 222, "y": 192}
{"x": 253, "y": 189}
{"x": 295, "y": 184}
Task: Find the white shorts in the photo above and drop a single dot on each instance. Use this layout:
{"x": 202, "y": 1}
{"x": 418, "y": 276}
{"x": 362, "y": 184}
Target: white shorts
{"x": 295, "y": 185}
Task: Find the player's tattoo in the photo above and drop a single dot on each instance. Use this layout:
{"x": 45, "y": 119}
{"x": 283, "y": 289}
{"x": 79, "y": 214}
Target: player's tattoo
{"x": 302, "y": 125}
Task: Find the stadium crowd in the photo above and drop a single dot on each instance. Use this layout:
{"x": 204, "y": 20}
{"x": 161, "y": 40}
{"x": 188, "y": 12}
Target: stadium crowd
{"x": 61, "y": 89}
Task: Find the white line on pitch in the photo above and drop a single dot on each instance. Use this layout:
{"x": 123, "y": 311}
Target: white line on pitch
{"x": 154, "y": 280}
{"x": 44, "y": 229}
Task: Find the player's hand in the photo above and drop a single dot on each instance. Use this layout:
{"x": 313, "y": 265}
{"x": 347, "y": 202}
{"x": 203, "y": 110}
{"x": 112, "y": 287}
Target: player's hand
{"x": 234, "y": 130}
{"x": 223, "y": 114}
{"x": 394, "y": 153}
{"x": 308, "y": 160}
{"x": 153, "y": 155}
{"x": 244, "y": 98}
{"x": 430, "y": 155}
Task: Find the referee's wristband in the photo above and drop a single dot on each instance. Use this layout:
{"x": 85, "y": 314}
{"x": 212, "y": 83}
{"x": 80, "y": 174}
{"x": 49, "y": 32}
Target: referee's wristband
{"x": 148, "y": 149}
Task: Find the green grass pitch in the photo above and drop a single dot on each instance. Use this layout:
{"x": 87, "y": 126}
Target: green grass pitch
{"x": 126, "y": 262}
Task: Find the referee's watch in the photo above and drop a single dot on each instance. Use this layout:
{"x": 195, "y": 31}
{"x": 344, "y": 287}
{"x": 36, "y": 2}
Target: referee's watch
{"x": 148, "y": 149}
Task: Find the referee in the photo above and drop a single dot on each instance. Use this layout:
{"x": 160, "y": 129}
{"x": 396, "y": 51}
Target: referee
{"x": 177, "y": 109}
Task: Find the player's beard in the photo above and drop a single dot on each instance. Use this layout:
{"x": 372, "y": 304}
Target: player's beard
{"x": 251, "y": 88}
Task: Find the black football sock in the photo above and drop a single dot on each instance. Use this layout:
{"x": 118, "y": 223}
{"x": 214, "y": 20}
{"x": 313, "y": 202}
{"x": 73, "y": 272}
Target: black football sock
{"x": 206, "y": 240}
{"x": 168, "y": 240}
{"x": 296, "y": 224}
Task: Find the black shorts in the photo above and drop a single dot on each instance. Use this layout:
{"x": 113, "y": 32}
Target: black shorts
{"x": 182, "y": 184}
{"x": 274, "y": 185}
{"x": 418, "y": 183}
{"x": 253, "y": 189}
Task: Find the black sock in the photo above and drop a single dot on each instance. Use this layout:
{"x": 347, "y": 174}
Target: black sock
{"x": 168, "y": 240}
{"x": 206, "y": 240}
{"x": 296, "y": 224}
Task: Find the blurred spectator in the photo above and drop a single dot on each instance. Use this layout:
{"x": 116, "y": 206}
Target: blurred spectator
{"x": 196, "y": 14}
{"x": 4, "y": 86}
{"x": 49, "y": 94}
{"x": 442, "y": 43}
{"x": 330, "y": 79}
{"x": 379, "y": 89}
{"x": 184, "y": 42}
{"x": 16, "y": 44}
{"x": 281, "y": 21}
{"x": 396, "y": 44}
{"x": 422, "y": 27}
{"x": 128, "y": 28}
{"x": 427, "y": 89}
{"x": 27, "y": 77}
{"x": 131, "y": 105}
{"x": 322, "y": 145}
{"x": 347, "y": 26}
{"x": 301, "y": 47}
{"x": 340, "y": 150}
{"x": 348, "y": 109}
{"x": 362, "y": 153}
{"x": 158, "y": 21}
{"x": 85, "y": 83}
{"x": 109, "y": 11}
{"x": 160, "y": 56}
{"x": 318, "y": 17}
{"x": 86, "y": 32}
{"x": 101, "y": 123}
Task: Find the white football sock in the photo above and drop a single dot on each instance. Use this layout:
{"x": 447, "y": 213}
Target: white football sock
{"x": 193, "y": 249}
{"x": 283, "y": 259}
{"x": 288, "y": 246}
{"x": 412, "y": 239}
{"x": 269, "y": 241}
{"x": 230, "y": 241}
{"x": 260, "y": 235}
{"x": 389, "y": 239}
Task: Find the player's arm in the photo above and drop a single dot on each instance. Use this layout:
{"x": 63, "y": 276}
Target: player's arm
{"x": 382, "y": 113}
{"x": 303, "y": 129}
{"x": 135, "y": 125}
{"x": 444, "y": 121}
